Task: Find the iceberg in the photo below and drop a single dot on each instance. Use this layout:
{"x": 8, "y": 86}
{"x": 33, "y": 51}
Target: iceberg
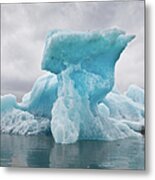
{"x": 76, "y": 98}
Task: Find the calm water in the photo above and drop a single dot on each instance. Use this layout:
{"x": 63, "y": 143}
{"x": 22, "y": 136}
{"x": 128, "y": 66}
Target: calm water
{"x": 41, "y": 151}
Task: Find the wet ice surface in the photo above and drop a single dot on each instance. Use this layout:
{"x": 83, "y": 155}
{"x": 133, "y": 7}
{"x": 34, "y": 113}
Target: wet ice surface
{"x": 40, "y": 151}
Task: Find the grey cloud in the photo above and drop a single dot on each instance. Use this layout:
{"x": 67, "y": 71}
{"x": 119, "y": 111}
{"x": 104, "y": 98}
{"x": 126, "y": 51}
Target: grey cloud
{"x": 12, "y": 86}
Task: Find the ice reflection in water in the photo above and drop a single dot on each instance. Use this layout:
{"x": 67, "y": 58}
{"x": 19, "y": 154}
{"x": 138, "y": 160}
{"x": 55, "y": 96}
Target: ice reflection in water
{"x": 41, "y": 151}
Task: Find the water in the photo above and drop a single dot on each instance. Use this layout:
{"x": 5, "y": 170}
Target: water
{"x": 41, "y": 151}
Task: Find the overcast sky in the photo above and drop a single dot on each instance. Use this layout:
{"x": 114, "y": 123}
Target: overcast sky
{"x": 24, "y": 27}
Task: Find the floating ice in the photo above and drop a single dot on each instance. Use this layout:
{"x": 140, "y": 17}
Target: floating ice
{"x": 16, "y": 121}
{"x": 75, "y": 99}
{"x": 136, "y": 94}
{"x": 8, "y": 102}
{"x": 85, "y": 65}
{"x": 39, "y": 101}
{"x": 122, "y": 107}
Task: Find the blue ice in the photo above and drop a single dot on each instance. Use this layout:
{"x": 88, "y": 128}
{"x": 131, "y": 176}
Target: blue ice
{"x": 75, "y": 99}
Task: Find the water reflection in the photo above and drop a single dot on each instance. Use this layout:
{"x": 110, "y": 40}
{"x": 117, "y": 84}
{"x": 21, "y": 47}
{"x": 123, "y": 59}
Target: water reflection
{"x": 41, "y": 151}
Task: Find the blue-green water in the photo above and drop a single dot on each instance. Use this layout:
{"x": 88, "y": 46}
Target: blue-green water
{"x": 41, "y": 151}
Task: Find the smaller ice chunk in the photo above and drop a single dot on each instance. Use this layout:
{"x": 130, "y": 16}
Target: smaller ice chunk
{"x": 136, "y": 126}
{"x": 8, "y": 102}
{"x": 16, "y": 121}
{"x": 122, "y": 107}
{"x": 39, "y": 101}
{"x": 135, "y": 93}
{"x": 23, "y": 123}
